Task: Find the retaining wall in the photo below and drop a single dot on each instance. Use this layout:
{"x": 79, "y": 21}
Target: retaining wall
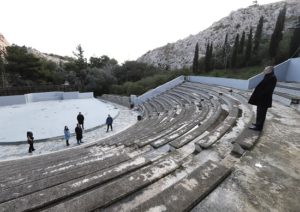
{"x": 121, "y": 100}
{"x": 12, "y": 100}
{"x": 158, "y": 90}
{"x": 47, "y": 96}
{"x": 227, "y": 82}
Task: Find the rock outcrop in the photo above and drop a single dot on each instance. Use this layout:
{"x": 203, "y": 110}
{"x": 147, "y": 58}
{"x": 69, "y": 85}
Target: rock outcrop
{"x": 180, "y": 54}
{"x": 3, "y": 43}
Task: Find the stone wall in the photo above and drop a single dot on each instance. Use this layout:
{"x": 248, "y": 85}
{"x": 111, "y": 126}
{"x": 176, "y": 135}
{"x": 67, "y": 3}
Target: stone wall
{"x": 121, "y": 100}
{"x": 47, "y": 96}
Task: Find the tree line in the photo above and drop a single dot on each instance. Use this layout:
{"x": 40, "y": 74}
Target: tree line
{"x": 250, "y": 50}
{"x": 101, "y": 75}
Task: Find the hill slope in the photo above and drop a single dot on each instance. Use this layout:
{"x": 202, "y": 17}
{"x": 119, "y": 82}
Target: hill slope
{"x": 181, "y": 53}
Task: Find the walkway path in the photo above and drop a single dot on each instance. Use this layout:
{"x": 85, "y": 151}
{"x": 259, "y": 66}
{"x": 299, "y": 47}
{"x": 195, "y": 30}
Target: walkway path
{"x": 125, "y": 119}
{"x": 268, "y": 177}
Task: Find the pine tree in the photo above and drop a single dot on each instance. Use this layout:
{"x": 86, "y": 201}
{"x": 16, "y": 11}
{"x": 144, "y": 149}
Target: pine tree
{"x": 242, "y": 43}
{"x": 226, "y": 51}
{"x": 80, "y": 60}
{"x": 295, "y": 42}
{"x": 258, "y": 34}
{"x": 196, "y": 58}
{"x": 207, "y": 58}
{"x": 248, "y": 48}
{"x": 211, "y": 61}
{"x": 277, "y": 33}
{"x": 235, "y": 51}
{"x": 2, "y": 69}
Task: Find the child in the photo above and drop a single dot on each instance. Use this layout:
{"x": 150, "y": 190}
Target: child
{"x": 67, "y": 135}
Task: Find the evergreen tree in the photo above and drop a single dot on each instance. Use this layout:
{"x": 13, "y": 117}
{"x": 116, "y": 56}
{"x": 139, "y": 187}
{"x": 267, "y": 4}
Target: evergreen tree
{"x": 235, "y": 51}
{"x": 23, "y": 64}
{"x": 248, "y": 48}
{"x": 295, "y": 42}
{"x": 226, "y": 51}
{"x": 277, "y": 33}
{"x": 211, "y": 60}
{"x": 258, "y": 34}
{"x": 81, "y": 65}
{"x": 242, "y": 43}
{"x": 207, "y": 58}
{"x": 80, "y": 60}
{"x": 196, "y": 58}
{"x": 2, "y": 69}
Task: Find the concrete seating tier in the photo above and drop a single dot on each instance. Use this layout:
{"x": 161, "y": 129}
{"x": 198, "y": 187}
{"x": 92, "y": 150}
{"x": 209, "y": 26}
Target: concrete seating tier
{"x": 170, "y": 160}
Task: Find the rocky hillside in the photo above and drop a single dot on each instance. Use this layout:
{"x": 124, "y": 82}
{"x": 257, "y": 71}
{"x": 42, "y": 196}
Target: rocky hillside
{"x": 3, "y": 42}
{"x": 180, "y": 54}
{"x": 54, "y": 58}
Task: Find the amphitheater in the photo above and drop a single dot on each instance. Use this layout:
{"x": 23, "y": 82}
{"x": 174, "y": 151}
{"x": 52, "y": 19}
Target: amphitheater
{"x": 192, "y": 151}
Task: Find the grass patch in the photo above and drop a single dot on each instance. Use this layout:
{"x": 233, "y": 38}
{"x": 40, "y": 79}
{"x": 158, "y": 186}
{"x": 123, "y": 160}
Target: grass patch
{"x": 239, "y": 73}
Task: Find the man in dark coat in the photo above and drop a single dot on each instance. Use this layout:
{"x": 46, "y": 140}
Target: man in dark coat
{"x": 80, "y": 119}
{"x": 78, "y": 132}
{"x": 262, "y": 97}
{"x": 109, "y": 122}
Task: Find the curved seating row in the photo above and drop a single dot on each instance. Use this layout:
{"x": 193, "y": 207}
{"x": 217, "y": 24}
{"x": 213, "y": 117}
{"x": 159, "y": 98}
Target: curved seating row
{"x": 170, "y": 160}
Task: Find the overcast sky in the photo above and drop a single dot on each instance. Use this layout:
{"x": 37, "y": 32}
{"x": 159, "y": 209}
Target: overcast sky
{"x": 120, "y": 29}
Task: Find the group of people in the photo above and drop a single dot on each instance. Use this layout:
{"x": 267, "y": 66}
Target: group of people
{"x": 78, "y": 131}
{"x": 80, "y": 126}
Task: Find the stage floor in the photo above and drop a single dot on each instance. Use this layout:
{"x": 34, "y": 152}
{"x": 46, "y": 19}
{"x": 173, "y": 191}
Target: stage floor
{"x": 47, "y": 119}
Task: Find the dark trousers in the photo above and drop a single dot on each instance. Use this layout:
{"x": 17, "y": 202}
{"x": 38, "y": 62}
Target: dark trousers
{"x": 81, "y": 124}
{"x": 67, "y": 142}
{"x": 31, "y": 148}
{"x": 109, "y": 125}
{"x": 261, "y": 113}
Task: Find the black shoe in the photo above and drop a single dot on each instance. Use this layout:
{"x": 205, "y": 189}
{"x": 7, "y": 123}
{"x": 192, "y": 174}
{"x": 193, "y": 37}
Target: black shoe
{"x": 81, "y": 142}
{"x": 255, "y": 128}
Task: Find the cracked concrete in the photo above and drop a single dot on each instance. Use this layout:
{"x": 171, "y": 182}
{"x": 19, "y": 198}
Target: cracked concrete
{"x": 267, "y": 178}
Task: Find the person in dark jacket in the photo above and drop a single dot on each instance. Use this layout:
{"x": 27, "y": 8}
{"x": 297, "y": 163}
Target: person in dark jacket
{"x": 30, "y": 141}
{"x": 262, "y": 97}
{"x": 80, "y": 119}
{"x": 78, "y": 132}
{"x": 109, "y": 122}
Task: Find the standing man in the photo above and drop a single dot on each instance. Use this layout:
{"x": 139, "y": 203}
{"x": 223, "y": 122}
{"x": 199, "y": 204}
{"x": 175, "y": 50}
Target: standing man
{"x": 30, "y": 141}
{"x": 78, "y": 132}
{"x": 80, "y": 119}
{"x": 109, "y": 122}
{"x": 262, "y": 97}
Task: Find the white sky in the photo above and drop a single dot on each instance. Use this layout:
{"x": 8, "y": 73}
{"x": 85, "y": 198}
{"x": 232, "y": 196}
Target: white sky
{"x": 120, "y": 29}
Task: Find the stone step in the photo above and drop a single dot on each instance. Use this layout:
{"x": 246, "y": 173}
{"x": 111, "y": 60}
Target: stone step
{"x": 29, "y": 164}
{"x": 185, "y": 194}
{"x": 120, "y": 188}
{"x": 189, "y": 125}
{"x": 49, "y": 161}
{"x": 181, "y": 97}
{"x": 37, "y": 195}
{"x": 220, "y": 130}
{"x": 188, "y": 135}
{"x": 208, "y": 123}
{"x": 288, "y": 85}
{"x": 72, "y": 171}
{"x": 245, "y": 141}
{"x": 166, "y": 130}
{"x": 289, "y": 92}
